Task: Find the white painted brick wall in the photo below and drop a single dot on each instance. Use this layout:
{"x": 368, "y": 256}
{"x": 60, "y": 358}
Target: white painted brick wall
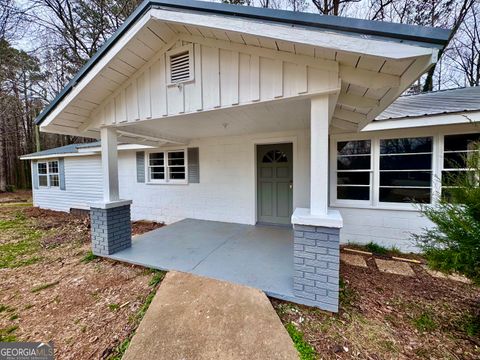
{"x": 384, "y": 227}
{"x": 226, "y": 191}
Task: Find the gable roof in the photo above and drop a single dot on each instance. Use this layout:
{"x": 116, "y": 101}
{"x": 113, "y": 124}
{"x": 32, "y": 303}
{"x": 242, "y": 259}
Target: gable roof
{"x": 62, "y": 150}
{"x": 434, "y": 103}
{"x": 396, "y": 32}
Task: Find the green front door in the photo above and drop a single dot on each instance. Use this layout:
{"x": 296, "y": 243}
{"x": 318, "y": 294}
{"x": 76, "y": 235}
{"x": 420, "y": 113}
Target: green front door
{"x": 274, "y": 183}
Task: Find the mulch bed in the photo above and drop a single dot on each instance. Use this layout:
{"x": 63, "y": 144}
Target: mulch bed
{"x": 387, "y": 316}
{"x": 85, "y": 308}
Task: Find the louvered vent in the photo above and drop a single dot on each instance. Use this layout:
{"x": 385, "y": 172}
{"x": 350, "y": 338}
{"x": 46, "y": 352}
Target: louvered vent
{"x": 180, "y": 67}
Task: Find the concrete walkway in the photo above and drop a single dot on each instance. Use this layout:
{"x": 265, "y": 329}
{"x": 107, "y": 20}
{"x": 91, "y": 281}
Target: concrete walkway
{"x": 193, "y": 317}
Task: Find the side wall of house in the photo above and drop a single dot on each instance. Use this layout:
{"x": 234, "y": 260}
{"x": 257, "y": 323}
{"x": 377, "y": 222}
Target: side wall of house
{"x": 83, "y": 186}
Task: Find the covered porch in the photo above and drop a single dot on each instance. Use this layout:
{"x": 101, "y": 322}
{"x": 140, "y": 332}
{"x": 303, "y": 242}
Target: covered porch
{"x": 256, "y": 256}
{"x": 190, "y": 77}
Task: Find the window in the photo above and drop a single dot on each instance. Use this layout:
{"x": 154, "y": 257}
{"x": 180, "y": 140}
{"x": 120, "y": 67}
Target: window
{"x": 354, "y": 170}
{"x": 167, "y": 167}
{"x": 406, "y": 170}
{"x": 456, "y": 150}
{"x": 48, "y": 174}
{"x": 180, "y": 65}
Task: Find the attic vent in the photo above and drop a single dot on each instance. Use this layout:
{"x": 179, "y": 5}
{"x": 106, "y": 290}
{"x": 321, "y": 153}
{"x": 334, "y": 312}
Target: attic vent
{"x": 180, "y": 65}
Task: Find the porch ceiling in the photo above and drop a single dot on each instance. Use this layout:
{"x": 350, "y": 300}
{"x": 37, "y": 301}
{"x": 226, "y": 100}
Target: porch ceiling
{"x": 368, "y": 82}
{"x": 259, "y": 118}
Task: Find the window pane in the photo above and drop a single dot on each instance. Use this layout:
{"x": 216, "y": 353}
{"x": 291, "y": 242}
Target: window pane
{"x": 156, "y": 159}
{"x": 460, "y": 142}
{"x": 42, "y": 168}
{"x": 405, "y": 162}
{"x": 54, "y": 181}
{"x": 157, "y": 174}
{"x": 42, "y": 180}
{"x": 406, "y": 145}
{"x": 353, "y": 192}
{"x": 176, "y": 158}
{"x": 405, "y": 178}
{"x": 455, "y": 160}
{"x": 353, "y": 147}
{"x": 53, "y": 167}
{"x": 451, "y": 178}
{"x": 404, "y": 195}
{"x": 353, "y": 162}
{"x": 177, "y": 173}
{"x": 353, "y": 178}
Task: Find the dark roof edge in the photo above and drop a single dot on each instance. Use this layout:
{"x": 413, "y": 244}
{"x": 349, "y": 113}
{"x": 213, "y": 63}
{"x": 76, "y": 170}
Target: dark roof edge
{"x": 427, "y": 35}
{"x": 414, "y": 117}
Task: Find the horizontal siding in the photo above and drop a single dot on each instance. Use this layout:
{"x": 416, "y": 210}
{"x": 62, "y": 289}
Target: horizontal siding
{"x": 83, "y": 181}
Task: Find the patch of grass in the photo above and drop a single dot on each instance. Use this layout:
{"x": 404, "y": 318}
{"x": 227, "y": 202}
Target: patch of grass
{"x": 6, "y": 308}
{"x": 23, "y": 251}
{"x": 154, "y": 282}
{"x": 376, "y": 248}
{"x": 44, "y": 286}
{"x": 28, "y": 306}
{"x": 7, "y": 334}
{"x": 157, "y": 277}
{"x": 471, "y": 325}
{"x": 113, "y": 307}
{"x": 89, "y": 256}
{"x": 425, "y": 322}
{"x": 14, "y": 317}
{"x": 305, "y": 350}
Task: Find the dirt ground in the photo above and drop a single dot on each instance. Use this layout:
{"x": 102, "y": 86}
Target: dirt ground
{"x": 387, "y": 316}
{"x": 52, "y": 289}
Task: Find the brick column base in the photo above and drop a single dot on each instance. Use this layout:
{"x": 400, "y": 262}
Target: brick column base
{"x": 111, "y": 229}
{"x": 316, "y": 265}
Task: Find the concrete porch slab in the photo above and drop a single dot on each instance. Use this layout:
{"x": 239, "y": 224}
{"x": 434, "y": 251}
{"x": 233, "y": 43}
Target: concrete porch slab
{"x": 193, "y": 317}
{"x": 256, "y": 256}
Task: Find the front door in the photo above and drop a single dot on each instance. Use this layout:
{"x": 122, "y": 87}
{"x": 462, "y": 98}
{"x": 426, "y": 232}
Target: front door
{"x": 274, "y": 183}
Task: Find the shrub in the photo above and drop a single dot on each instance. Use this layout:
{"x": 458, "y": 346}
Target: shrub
{"x": 453, "y": 245}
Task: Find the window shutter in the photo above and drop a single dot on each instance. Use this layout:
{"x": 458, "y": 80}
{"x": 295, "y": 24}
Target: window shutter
{"x": 193, "y": 166}
{"x": 61, "y": 173}
{"x": 34, "y": 175}
{"x": 140, "y": 166}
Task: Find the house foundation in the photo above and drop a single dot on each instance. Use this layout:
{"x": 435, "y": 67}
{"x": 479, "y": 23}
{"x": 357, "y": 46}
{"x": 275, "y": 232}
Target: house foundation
{"x": 111, "y": 229}
{"x": 316, "y": 258}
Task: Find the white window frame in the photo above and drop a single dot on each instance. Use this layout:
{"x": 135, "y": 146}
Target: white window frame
{"x": 442, "y": 152}
{"x": 166, "y": 180}
{"x": 370, "y": 171}
{"x": 437, "y": 163}
{"x": 186, "y": 48}
{"x": 47, "y": 162}
{"x": 432, "y": 169}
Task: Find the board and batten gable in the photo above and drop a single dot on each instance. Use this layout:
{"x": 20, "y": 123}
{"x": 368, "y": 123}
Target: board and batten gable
{"x": 83, "y": 185}
{"x": 224, "y": 75}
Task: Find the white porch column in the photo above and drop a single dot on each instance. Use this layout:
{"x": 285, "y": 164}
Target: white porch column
{"x": 316, "y": 239}
{"x": 109, "y": 165}
{"x": 111, "y": 228}
{"x": 319, "y": 120}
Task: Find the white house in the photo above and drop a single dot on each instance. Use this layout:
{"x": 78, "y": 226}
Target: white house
{"x": 246, "y": 115}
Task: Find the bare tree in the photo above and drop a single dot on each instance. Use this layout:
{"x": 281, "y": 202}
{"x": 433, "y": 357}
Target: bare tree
{"x": 465, "y": 48}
